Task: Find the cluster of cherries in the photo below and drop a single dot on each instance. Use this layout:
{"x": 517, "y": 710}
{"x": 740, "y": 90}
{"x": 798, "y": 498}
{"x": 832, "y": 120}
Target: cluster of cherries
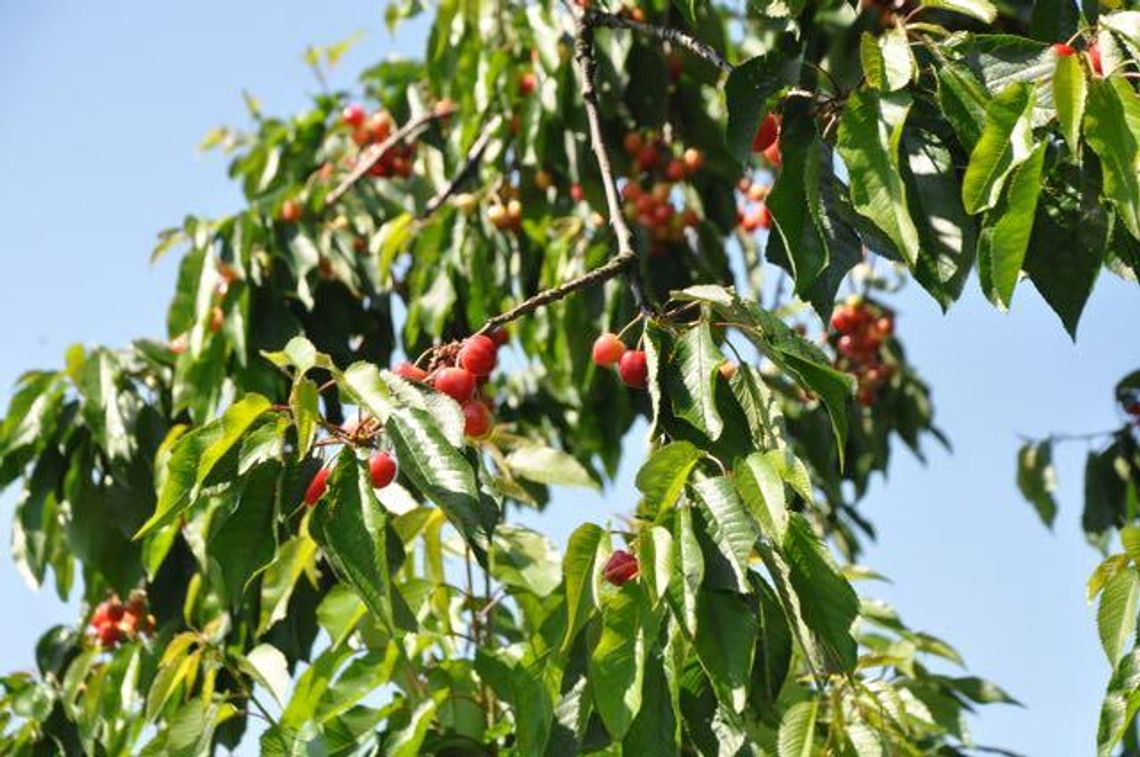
{"x": 858, "y": 331}
{"x": 632, "y": 365}
{"x": 375, "y": 128}
{"x": 505, "y": 211}
{"x": 1063, "y": 50}
{"x": 752, "y": 213}
{"x": 648, "y": 191}
{"x": 461, "y": 373}
{"x": 115, "y": 621}
{"x": 381, "y": 469}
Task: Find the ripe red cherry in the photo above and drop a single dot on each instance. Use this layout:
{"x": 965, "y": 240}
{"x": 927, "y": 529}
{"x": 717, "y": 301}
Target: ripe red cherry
{"x": 608, "y": 349}
{"x": 382, "y": 469}
{"x": 647, "y": 157}
{"x": 632, "y": 142}
{"x": 576, "y": 193}
{"x": 675, "y": 170}
{"x": 317, "y": 487}
{"x": 884, "y": 326}
{"x": 1094, "y": 58}
{"x": 457, "y": 383}
{"x": 499, "y": 336}
{"x": 477, "y": 354}
{"x": 843, "y": 320}
{"x": 108, "y": 635}
{"x": 527, "y": 84}
{"x": 772, "y": 154}
{"x": 633, "y": 369}
{"x": 353, "y": 115}
{"x": 621, "y": 567}
{"x": 1062, "y": 50}
{"x": 766, "y": 133}
{"x": 477, "y": 419}
{"x": 765, "y": 217}
{"x": 409, "y": 372}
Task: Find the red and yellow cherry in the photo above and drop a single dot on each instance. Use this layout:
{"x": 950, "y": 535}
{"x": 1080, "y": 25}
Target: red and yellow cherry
{"x": 727, "y": 369}
{"x": 317, "y": 487}
{"x": 576, "y": 193}
{"x": 217, "y": 318}
{"x": 633, "y": 368}
{"x": 527, "y": 84}
{"x": 379, "y": 126}
{"x": 290, "y": 211}
{"x": 766, "y": 133}
{"x": 457, "y": 383}
{"x": 477, "y": 419}
{"x": 620, "y": 568}
{"x": 772, "y": 154}
{"x": 382, "y": 470}
{"x": 694, "y": 159}
{"x": 353, "y": 115}
{"x": 675, "y": 170}
{"x": 477, "y": 354}
{"x": 608, "y": 349}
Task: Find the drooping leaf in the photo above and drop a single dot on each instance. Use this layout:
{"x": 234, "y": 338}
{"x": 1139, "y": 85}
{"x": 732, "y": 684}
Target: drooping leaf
{"x": 1005, "y": 142}
{"x": 1070, "y": 90}
{"x": 1116, "y": 614}
{"x": 1004, "y": 238}
{"x": 696, "y": 359}
{"x": 617, "y": 662}
{"x": 726, "y": 643}
{"x": 1037, "y": 479}
{"x": 662, "y": 477}
{"x": 1107, "y": 131}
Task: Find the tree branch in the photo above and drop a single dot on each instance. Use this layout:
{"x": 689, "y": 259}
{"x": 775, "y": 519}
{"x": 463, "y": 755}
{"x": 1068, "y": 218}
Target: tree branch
{"x": 695, "y": 46}
{"x": 372, "y": 154}
{"x": 474, "y": 155}
{"x": 584, "y": 56}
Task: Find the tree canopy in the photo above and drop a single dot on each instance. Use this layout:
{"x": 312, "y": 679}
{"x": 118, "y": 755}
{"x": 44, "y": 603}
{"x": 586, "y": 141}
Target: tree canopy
{"x": 459, "y": 286}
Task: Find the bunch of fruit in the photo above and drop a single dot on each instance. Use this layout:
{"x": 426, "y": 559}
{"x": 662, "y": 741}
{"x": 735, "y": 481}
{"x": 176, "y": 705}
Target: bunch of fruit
{"x": 381, "y": 469}
{"x": 633, "y": 367}
{"x": 115, "y": 621}
{"x": 505, "y": 211}
{"x": 375, "y": 128}
{"x": 648, "y": 191}
{"x": 752, "y": 213}
{"x": 858, "y": 331}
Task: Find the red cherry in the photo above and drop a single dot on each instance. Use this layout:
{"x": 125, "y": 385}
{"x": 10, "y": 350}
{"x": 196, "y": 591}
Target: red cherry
{"x": 576, "y": 193}
{"x": 1133, "y": 408}
{"x": 765, "y": 217}
{"x": 647, "y": 157}
{"x": 608, "y": 349}
{"x": 633, "y": 369}
{"x": 772, "y": 154}
{"x": 477, "y": 354}
{"x": 1062, "y": 50}
{"x": 631, "y": 191}
{"x": 766, "y": 133}
{"x": 866, "y": 396}
{"x": 457, "y": 383}
{"x": 527, "y": 84}
{"x": 1094, "y": 58}
{"x": 477, "y": 419}
{"x": 382, "y": 469}
{"x": 409, "y": 372}
{"x": 884, "y": 326}
{"x": 109, "y": 635}
{"x": 843, "y": 320}
{"x": 675, "y": 170}
{"x": 290, "y": 211}
{"x": 620, "y": 568}
{"x": 317, "y": 487}
{"x": 632, "y": 142}
{"x": 353, "y": 115}
{"x": 499, "y": 336}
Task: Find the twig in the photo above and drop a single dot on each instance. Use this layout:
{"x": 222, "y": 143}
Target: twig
{"x": 371, "y": 156}
{"x": 474, "y": 155}
{"x": 695, "y": 46}
{"x": 584, "y": 55}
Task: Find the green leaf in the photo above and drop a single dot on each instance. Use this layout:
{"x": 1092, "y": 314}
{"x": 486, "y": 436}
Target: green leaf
{"x": 774, "y": 648}
{"x": 983, "y": 10}
{"x": 1006, "y": 141}
{"x": 546, "y": 465}
{"x": 654, "y": 730}
{"x": 869, "y": 133}
{"x": 176, "y": 481}
{"x": 947, "y": 233}
{"x": 1070, "y": 90}
{"x": 406, "y": 741}
{"x": 234, "y": 423}
{"x": 762, "y": 490}
{"x": 747, "y": 91}
{"x": 438, "y": 470}
{"x": 1006, "y": 230}
{"x": 1107, "y": 131}
{"x": 733, "y": 531}
{"x": 1121, "y": 701}
{"x": 797, "y": 729}
{"x": 269, "y": 668}
{"x": 662, "y": 477}
{"x": 964, "y": 101}
{"x": 697, "y": 358}
{"x": 293, "y": 557}
{"x": 304, "y": 400}
{"x": 828, "y": 604}
{"x": 525, "y": 559}
{"x": 244, "y": 542}
{"x": 617, "y": 662}
{"x": 1116, "y": 614}
{"x": 1037, "y": 479}
{"x": 351, "y": 526}
{"x": 689, "y": 571}
{"x": 578, "y": 567}
{"x": 726, "y": 643}
{"x": 888, "y": 63}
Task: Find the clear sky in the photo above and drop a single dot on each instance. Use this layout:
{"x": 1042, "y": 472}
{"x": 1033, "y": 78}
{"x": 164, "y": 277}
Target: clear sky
{"x": 102, "y": 107}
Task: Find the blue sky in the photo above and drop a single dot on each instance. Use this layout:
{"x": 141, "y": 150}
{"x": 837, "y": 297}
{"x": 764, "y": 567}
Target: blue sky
{"x": 103, "y": 105}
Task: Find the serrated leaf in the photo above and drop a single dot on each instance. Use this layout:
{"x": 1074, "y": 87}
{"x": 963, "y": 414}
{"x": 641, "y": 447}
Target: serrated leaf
{"x": 1116, "y": 614}
{"x": 578, "y": 575}
{"x": 762, "y": 490}
{"x": 617, "y": 662}
{"x": 828, "y": 604}
{"x": 304, "y": 401}
{"x": 1006, "y": 230}
{"x": 983, "y": 10}
{"x": 696, "y": 358}
{"x": 747, "y": 91}
{"x": 526, "y": 559}
{"x": 726, "y": 644}
{"x": 1107, "y": 130}
{"x": 797, "y": 729}
{"x": 662, "y": 477}
{"x": 1070, "y": 91}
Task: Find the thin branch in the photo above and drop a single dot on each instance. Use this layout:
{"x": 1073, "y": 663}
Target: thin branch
{"x": 372, "y": 154}
{"x": 584, "y": 55}
{"x": 676, "y": 36}
{"x": 474, "y": 155}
